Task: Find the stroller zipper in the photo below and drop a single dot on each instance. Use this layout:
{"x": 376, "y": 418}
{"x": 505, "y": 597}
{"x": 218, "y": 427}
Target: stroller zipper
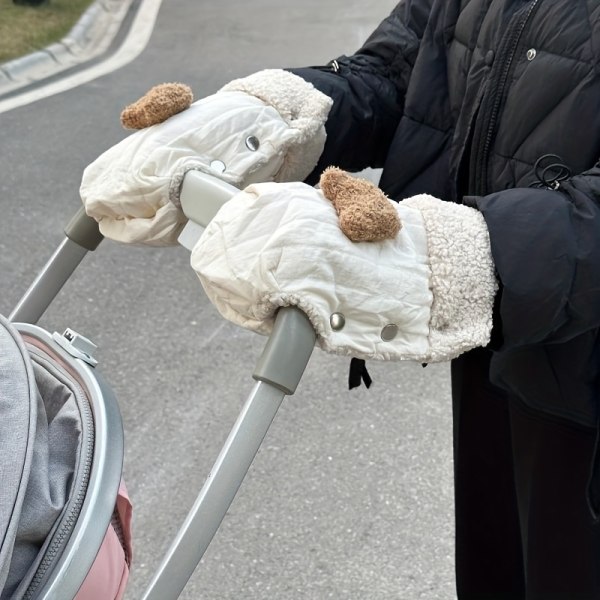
{"x": 81, "y": 479}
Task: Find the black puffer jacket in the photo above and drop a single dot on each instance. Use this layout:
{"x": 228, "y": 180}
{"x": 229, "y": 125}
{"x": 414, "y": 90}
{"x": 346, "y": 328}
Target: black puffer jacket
{"x": 461, "y": 99}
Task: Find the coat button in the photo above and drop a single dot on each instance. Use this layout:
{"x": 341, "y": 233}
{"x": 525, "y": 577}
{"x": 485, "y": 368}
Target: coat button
{"x": 489, "y": 58}
{"x": 531, "y": 53}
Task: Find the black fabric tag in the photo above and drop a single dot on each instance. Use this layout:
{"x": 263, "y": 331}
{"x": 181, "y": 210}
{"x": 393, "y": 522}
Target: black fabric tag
{"x": 358, "y": 373}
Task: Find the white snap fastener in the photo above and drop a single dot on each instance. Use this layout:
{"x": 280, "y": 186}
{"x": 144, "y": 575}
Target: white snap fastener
{"x": 337, "y": 321}
{"x": 218, "y": 166}
{"x": 531, "y": 53}
{"x": 389, "y": 332}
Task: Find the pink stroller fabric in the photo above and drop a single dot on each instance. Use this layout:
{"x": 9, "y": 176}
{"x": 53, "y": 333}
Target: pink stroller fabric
{"x": 108, "y": 576}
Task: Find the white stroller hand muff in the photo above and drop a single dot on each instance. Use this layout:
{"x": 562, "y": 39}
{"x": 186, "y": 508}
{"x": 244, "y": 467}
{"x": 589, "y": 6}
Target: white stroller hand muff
{"x": 425, "y": 294}
{"x": 266, "y": 127}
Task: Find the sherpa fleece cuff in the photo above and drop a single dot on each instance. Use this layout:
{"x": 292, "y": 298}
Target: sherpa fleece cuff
{"x": 462, "y": 281}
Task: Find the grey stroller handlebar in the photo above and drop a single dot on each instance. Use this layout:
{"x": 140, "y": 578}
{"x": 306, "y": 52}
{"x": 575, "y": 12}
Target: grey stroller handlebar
{"x": 81, "y": 236}
{"x": 83, "y": 230}
{"x": 277, "y": 374}
{"x": 203, "y": 195}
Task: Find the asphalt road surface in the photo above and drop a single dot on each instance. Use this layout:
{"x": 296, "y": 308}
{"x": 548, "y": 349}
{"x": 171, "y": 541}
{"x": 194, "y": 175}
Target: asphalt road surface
{"x": 350, "y": 496}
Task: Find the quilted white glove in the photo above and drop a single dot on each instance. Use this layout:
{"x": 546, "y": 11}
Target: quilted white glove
{"x": 425, "y": 295}
{"x": 265, "y": 127}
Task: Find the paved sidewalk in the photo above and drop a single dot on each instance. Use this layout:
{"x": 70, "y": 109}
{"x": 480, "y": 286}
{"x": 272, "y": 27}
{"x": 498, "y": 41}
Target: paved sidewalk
{"x": 90, "y": 37}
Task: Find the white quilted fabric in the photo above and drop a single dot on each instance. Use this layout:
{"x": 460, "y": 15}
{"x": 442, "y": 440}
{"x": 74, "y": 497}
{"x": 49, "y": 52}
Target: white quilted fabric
{"x": 132, "y": 189}
{"x": 279, "y": 245}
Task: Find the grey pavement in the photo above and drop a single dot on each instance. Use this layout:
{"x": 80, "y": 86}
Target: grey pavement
{"x": 350, "y": 496}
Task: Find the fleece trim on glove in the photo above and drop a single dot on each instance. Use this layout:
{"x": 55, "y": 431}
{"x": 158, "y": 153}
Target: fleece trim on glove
{"x": 463, "y": 280}
{"x": 132, "y": 190}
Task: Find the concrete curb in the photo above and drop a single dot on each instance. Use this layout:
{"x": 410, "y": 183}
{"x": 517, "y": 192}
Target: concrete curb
{"x": 90, "y": 37}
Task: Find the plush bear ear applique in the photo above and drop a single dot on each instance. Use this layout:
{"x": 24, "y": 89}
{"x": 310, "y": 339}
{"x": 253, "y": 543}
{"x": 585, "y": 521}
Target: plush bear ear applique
{"x": 365, "y": 213}
{"x": 157, "y": 105}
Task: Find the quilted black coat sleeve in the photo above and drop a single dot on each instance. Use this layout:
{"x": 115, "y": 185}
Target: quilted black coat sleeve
{"x": 546, "y": 248}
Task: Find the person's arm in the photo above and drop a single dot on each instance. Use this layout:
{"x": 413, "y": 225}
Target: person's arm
{"x": 368, "y": 90}
{"x": 546, "y": 249}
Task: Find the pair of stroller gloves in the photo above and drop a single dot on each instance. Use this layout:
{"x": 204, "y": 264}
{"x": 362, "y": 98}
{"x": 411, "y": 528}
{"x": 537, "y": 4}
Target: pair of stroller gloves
{"x": 418, "y": 284}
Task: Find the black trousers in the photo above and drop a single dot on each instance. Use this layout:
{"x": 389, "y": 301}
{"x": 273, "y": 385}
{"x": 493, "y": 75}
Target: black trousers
{"x": 523, "y": 528}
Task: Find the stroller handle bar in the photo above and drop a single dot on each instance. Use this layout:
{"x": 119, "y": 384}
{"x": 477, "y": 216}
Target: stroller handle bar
{"x": 277, "y": 374}
{"x": 201, "y": 197}
{"x": 81, "y": 235}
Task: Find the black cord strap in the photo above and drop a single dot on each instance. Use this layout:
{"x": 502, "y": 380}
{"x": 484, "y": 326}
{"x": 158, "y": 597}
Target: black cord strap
{"x": 358, "y": 374}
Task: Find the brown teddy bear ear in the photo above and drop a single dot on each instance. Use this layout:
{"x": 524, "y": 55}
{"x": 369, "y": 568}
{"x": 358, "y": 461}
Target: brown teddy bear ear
{"x": 157, "y": 105}
{"x": 365, "y": 213}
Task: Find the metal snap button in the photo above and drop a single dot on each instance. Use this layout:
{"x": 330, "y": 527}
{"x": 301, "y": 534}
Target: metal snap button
{"x": 489, "y": 58}
{"x": 218, "y": 166}
{"x": 389, "y": 332}
{"x": 531, "y": 53}
{"x": 252, "y": 143}
{"x": 337, "y": 321}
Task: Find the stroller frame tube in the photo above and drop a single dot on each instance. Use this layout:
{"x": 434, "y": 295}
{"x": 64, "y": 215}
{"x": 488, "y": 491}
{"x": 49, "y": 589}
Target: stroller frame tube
{"x": 279, "y": 371}
{"x": 217, "y": 494}
{"x": 48, "y": 283}
{"x": 82, "y": 235}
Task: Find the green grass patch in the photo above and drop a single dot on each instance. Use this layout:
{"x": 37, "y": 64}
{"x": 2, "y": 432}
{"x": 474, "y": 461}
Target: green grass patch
{"x": 24, "y": 29}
